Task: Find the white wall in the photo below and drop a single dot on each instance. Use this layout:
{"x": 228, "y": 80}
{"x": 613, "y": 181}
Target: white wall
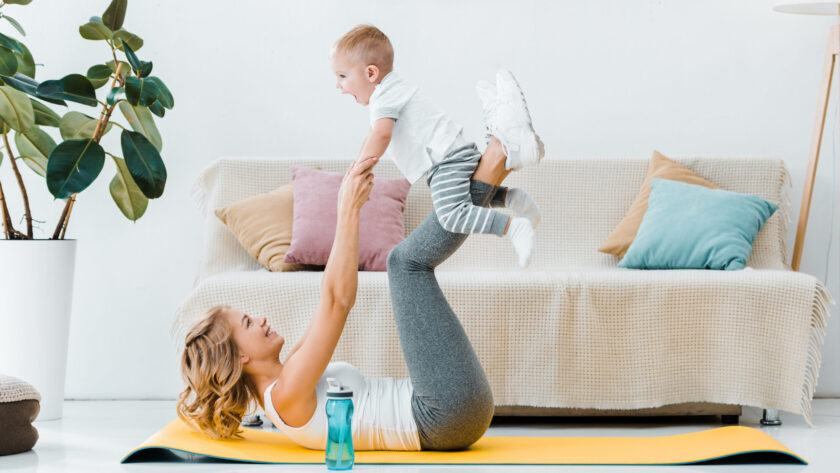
{"x": 607, "y": 78}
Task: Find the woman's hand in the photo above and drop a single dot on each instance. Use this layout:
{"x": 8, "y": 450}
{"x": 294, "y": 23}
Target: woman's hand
{"x": 356, "y": 185}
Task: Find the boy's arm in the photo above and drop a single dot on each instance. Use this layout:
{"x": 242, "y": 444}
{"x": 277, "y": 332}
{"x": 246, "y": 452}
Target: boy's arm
{"x": 377, "y": 140}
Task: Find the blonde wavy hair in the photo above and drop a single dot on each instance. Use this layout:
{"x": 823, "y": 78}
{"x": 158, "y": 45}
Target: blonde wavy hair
{"x": 218, "y": 392}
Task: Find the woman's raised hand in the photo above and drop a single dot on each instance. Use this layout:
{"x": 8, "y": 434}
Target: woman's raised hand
{"x": 356, "y": 185}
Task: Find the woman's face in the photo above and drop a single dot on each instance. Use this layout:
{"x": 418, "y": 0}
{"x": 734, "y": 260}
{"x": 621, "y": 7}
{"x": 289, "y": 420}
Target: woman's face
{"x": 253, "y": 336}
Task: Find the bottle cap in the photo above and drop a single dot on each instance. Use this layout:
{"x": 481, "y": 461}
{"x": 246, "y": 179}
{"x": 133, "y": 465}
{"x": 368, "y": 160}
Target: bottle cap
{"x": 336, "y": 390}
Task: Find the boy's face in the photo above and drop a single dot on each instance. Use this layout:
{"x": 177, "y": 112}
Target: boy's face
{"x": 354, "y": 78}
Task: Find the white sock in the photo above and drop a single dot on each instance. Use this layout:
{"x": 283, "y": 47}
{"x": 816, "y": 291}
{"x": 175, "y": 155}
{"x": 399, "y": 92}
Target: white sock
{"x": 521, "y": 234}
{"x": 523, "y": 205}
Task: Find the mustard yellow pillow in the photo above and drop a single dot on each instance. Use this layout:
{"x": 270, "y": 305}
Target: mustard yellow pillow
{"x": 263, "y": 225}
{"x": 623, "y": 235}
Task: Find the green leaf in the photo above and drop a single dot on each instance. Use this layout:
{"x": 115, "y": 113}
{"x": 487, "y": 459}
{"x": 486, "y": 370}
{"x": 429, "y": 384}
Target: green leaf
{"x": 157, "y": 109}
{"x": 22, "y": 83}
{"x": 55, "y": 101}
{"x": 30, "y": 86}
{"x": 144, "y": 163}
{"x": 15, "y": 24}
{"x": 132, "y": 58}
{"x": 99, "y": 75}
{"x": 44, "y": 115}
{"x": 140, "y": 91}
{"x": 115, "y": 14}
{"x": 73, "y": 166}
{"x": 95, "y": 31}
{"x": 36, "y": 145}
{"x": 141, "y": 121}
{"x": 124, "y": 71}
{"x": 8, "y": 62}
{"x": 75, "y": 125}
{"x": 126, "y": 37}
{"x": 164, "y": 95}
{"x": 26, "y": 63}
{"x": 18, "y": 2}
{"x": 10, "y": 43}
{"x": 145, "y": 68}
{"x": 74, "y": 87}
{"x": 116, "y": 93}
{"x": 16, "y": 109}
{"x": 37, "y": 164}
{"x": 128, "y": 197}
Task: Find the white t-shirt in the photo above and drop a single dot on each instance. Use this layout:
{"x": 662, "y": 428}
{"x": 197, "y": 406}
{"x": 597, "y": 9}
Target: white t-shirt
{"x": 382, "y": 418}
{"x": 422, "y": 132}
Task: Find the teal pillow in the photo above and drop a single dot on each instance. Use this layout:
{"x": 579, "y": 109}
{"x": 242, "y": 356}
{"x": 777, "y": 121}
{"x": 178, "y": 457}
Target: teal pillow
{"x": 687, "y": 226}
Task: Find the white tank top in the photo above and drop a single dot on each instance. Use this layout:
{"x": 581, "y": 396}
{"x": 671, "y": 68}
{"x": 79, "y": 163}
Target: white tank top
{"x": 382, "y": 418}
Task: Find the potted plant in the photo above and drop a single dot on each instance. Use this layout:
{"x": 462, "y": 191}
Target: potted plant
{"x": 36, "y": 281}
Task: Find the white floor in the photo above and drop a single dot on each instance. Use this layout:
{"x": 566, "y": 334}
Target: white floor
{"x": 94, "y": 435}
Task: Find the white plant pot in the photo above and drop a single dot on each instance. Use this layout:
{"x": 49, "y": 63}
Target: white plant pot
{"x": 36, "y": 295}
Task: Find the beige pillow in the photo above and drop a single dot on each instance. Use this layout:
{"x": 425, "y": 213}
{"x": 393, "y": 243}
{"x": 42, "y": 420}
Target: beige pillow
{"x": 263, "y": 225}
{"x": 622, "y": 235}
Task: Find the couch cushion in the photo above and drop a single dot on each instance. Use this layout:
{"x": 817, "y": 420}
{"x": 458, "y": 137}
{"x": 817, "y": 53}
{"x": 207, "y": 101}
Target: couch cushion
{"x": 263, "y": 225}
{"x": 315, "y": 213}
{"x": 692, "y": 227}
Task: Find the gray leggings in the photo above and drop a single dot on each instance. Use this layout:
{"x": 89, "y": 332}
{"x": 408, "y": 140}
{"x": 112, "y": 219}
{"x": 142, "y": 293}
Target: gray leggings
{"x": 452, "y": 402}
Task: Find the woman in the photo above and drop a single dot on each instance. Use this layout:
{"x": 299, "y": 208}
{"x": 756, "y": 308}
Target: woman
{"x": 231, "y": 358}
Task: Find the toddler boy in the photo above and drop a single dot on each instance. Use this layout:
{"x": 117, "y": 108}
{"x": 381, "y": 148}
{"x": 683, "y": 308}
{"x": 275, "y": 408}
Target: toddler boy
{"x": 422, "y": 139}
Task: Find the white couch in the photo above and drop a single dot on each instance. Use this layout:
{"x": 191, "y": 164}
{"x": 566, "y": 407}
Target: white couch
{"x": 573, "y": 334}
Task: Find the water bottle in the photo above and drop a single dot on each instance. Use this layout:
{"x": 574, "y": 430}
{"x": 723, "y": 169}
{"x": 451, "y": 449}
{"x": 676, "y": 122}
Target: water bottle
{"x": 339, "y": 455}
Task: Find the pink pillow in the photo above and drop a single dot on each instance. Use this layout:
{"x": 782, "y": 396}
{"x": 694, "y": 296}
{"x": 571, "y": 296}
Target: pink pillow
{"x": 315, "y": 213}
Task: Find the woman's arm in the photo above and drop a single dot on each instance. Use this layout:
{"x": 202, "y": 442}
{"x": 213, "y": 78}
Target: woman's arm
{"x": 305, "y": 366}
{"x": 379, "y": 137}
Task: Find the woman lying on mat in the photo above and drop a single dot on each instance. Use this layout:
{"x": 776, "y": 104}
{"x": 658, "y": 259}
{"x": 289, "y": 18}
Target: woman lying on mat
{"x": 231, "y": 358}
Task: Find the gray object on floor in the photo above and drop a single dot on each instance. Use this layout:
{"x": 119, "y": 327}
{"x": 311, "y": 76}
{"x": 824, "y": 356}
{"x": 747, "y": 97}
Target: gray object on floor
{"x": 251, "y": 421}
{"x": 19, "y": 406}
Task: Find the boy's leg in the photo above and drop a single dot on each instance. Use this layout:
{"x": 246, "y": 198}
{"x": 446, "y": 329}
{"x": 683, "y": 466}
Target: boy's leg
{"x": 449, "y": 181}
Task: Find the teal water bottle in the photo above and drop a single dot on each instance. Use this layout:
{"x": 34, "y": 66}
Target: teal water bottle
{"x": 339, "y": 455}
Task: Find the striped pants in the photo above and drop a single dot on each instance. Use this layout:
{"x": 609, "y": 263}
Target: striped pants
{"x": 449, "y": 182}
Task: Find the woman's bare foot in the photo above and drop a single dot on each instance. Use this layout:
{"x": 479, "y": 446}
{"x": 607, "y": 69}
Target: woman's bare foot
{"x": 491, "y": 167}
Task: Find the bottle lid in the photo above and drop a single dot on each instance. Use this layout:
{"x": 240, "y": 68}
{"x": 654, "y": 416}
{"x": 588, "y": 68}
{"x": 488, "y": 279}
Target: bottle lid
{"x": 336, "y": 390}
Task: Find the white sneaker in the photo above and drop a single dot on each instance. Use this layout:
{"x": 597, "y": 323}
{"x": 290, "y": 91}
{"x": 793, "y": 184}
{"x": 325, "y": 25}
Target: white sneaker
{"x": 487, "y": 93}
{"x": 508, "y": 119}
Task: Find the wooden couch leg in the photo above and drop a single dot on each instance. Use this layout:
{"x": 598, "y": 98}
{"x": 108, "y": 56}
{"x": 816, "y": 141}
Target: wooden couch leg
{"x": 771, "y": 417}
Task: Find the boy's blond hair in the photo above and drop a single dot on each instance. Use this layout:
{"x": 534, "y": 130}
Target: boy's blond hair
{"x": 367, "y": 44}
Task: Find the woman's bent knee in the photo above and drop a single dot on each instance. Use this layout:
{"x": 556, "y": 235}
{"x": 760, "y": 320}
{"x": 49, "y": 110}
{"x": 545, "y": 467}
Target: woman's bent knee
{"x": 458, "y": 427}
{"x": 396, "y": 258}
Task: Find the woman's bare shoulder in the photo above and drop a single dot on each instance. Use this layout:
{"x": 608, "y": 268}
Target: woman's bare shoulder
{"x": 294, "y": 410}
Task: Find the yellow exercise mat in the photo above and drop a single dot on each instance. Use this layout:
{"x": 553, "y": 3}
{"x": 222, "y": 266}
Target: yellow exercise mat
{"x": 732, "y": 443}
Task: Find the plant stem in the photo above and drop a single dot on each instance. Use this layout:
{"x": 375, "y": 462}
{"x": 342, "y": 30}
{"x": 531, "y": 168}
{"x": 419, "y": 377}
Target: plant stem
{"x": 70, "y": 209}
{"x": 61, "y": 220}
{"x": 104, "y": 116}
{"x": 7, "y": 222}
{"x": 20, "y": 184}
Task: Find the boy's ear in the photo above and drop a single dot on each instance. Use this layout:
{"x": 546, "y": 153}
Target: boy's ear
{"x": 372, "y": 73}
